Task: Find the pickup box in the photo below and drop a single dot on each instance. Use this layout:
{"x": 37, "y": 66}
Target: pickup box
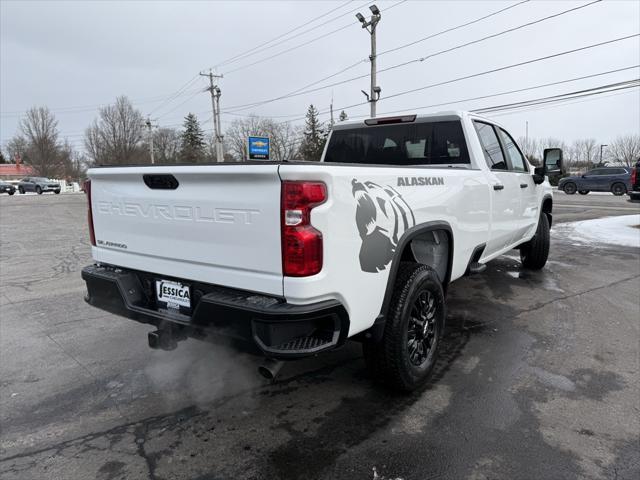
{"x": 291, "y": 259}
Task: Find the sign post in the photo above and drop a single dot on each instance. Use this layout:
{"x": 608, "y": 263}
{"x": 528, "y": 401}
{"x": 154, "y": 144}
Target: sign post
{"x": 258, "y": 148}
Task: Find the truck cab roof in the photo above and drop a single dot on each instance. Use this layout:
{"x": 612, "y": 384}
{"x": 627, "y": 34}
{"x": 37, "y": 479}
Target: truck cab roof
{"x": 445, "y": 115}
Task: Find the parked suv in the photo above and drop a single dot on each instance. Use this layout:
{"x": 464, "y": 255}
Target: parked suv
{"x": 38, "y": 185}
{"x": 634, "y": 191}
{"x": 616, "y": 180}
{"x": 7, "y": 188}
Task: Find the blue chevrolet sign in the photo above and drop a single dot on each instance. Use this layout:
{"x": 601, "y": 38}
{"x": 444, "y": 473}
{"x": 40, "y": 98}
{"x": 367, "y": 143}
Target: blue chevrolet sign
{"x": 258, "y": 148}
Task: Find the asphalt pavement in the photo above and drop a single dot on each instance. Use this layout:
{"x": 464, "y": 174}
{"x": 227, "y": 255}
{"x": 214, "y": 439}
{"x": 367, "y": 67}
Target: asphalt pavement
{"x": 537, "y": 379}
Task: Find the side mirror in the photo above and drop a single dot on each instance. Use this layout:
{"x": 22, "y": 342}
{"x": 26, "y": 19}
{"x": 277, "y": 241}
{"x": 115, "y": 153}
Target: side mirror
{"x": 552, "y": 161}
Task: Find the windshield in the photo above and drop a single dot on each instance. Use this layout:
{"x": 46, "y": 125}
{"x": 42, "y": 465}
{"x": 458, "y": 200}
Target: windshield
{"x": 432, "y": 143}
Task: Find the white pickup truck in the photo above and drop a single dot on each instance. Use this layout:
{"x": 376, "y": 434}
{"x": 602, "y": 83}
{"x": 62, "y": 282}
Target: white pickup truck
{"x": 291, "y": 259}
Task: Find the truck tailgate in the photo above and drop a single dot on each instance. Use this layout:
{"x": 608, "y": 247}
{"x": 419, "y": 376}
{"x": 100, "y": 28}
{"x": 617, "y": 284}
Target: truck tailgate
{"x": 220, "y": 225}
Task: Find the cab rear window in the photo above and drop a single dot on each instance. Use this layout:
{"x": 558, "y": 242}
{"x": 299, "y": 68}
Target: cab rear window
{"x": 431, "y": 143}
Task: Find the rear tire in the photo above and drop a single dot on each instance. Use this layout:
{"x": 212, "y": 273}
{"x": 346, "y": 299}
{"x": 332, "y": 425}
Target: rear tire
{"x": 11, "y": 192}
{"x": 21, "y": 190}
{"x": 618, "y": 189}
{"x": 38, "y": 190}
{"x": 535, "y": 252}
{"x": 570, "y": 188}
{"x": 57, "y": 192}
{"x": 404, "y": 358}
{"x": 583, "y": 192}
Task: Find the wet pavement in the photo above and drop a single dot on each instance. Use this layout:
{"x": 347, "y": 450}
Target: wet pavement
{"x": 537, "y": 378}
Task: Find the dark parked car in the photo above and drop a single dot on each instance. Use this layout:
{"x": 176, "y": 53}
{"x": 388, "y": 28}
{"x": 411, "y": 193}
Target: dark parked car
{"x": 7, "y": 188}
{"x": 616, "y": 180}
{"x": 634, "y": 191}
{"x": 38, "y": 185}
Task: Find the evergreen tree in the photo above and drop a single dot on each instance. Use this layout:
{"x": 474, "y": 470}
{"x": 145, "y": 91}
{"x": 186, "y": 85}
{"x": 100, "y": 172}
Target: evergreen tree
{"x": 313, "y": 137}
{"x": 2, "y": 159}
{"x": 192, "y": 141}
{"x": 343, "y": 116}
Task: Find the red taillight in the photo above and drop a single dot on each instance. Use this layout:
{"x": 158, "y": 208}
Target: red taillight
{"x": 634, "y": 174}
{"x": 92, "y": 233}
{"x": 301, "y": 243}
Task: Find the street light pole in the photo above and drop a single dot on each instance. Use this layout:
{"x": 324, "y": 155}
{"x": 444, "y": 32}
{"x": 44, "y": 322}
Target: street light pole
{"x": 370, "y": 26}
{"x": 601, "y": 147}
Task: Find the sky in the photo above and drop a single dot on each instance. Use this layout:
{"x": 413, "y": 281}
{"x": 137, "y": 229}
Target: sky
{"x": 75, "y": 56}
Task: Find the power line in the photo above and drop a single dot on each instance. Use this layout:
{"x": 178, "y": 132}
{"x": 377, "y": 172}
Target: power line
{"x": 486, "y": 72}
{"x": 252, "y": 51}
{"x": 564, "y": 96}
{"x": 295, "y": 47}
{"x": 561, "y": 103}
{"x": 421, "y": 59}
{"x": 182, "y": 103}
{"x": 177, "y": 93}
{"x": 93, "y": 107}
{"x": 395, "y": 49}
{"x": 519, "y": 90}
{"x": 353, "y": 65}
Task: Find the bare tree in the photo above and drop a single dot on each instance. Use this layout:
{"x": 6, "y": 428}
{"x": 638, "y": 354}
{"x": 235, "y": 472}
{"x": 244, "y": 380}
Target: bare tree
{"x": 239, "y": 131}
{"x": 16, "y": 148}
{"x": 115, "y": 138}
{"x": 166, "y": 143}
{"x": 284, "y": 138}
{"x": 530, "y": 149}
{"x": 39, "y": 129}
{"x": 625, "y": 149}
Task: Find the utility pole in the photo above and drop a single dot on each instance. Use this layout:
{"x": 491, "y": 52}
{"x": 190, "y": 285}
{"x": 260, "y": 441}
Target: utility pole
{"x": 332, "y": 123}
{"x": 215, "y": 106}
{"x": 150, "y": 126}
{"x": 601, "y": 147}
{"x": 374, "y": 92}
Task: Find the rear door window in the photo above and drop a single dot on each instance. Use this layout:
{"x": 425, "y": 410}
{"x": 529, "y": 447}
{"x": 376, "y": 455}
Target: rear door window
{"x": 421, "y": 143}
{"x": 490, "y": 146}
{"x": 515, "y": 157}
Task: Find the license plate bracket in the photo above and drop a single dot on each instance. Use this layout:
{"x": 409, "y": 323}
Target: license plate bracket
{"x": 173, "y": 296}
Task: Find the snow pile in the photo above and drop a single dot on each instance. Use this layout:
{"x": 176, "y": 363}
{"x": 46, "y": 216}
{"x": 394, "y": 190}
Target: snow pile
{"x": 623, "y": 230}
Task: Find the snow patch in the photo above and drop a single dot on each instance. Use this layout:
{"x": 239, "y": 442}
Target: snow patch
{"x": 623, "y": 230}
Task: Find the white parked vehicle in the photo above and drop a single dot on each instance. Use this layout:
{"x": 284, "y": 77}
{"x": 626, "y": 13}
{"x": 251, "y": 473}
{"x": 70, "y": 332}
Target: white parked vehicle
{"x": 292, "y": 259}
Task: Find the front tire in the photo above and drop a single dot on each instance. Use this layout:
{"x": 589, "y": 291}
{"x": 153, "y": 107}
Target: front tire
{"x": 405, "y": 356}
{"x": 21, "y": 190}
{"x": 618, "y": 189}
{"x": 570, "y": 188}
{"x": 57, "y": 192}
{"x": 535, "y": 252}
{"x": 38, "y": 190}
{"x": 11, "y": 192}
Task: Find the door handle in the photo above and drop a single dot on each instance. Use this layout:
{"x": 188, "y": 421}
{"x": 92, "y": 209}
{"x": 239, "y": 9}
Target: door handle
{"x": 498, "y": 186}
{"x": 524, "y": 185}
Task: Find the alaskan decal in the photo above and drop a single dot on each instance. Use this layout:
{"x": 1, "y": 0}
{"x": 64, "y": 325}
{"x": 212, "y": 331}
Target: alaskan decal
{"x": 419, "y": 181}
{"x": 382, "y": 216}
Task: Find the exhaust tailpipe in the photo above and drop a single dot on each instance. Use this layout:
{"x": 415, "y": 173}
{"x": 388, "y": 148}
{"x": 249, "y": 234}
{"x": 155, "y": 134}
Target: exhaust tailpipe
{"x": 162, "y": 340}
{"x": 270, "y": 368}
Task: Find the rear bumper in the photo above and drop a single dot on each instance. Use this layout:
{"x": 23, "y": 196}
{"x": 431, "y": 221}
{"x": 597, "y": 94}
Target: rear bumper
{"x": 247, "y": 321}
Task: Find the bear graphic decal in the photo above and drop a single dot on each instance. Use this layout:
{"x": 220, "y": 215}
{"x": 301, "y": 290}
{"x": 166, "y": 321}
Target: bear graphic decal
{"x": 382, "y": 216}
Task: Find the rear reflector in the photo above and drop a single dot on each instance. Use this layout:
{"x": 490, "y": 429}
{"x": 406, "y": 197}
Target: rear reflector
{"x": 301, "y": 243}
{"x": 388, "y": 120}
{"x": 92, "y": 233}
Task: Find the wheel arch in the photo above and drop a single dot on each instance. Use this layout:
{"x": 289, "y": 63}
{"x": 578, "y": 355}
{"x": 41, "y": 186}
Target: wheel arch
{"x": 404, "y": 252}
